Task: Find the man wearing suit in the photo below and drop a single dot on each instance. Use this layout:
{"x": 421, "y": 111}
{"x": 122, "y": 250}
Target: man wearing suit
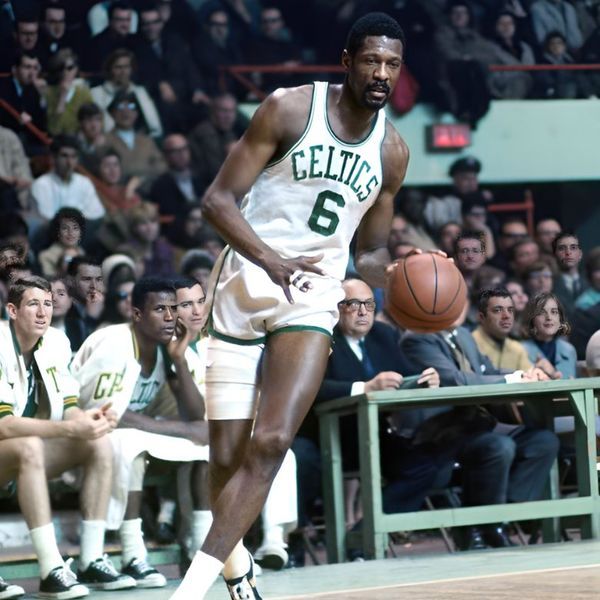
{"x": 179, "y": 187}
{"x": 514, "y": 460}
{"x": 569, "y": 283}
{"x": 20, "y": 92}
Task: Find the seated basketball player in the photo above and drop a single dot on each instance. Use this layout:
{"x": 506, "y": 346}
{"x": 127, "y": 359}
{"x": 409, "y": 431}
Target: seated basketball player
{"x": 42, "y": 434}
{"x": 128, "y": 365}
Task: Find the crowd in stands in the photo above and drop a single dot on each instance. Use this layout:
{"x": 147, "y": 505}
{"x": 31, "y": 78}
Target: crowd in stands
{"x": 132, "y": 118}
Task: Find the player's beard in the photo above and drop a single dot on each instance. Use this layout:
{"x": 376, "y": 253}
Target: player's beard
{"x": 376, "y": 104}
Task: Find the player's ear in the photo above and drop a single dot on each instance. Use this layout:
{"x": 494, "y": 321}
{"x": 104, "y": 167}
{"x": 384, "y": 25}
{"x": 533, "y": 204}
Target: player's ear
{"x": 346, "y": 59}
{"x": 11, "y": 309}
{"x": 136, "y": 314}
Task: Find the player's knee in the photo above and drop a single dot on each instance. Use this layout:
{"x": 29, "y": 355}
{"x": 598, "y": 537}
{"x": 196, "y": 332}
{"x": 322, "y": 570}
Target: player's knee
{"x": 101, "y": 449}
{"x": 270, "y": 446}
{"x": 30, "y": 450}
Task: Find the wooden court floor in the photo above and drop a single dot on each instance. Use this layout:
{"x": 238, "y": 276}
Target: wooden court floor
{"x": 568, "y": 571}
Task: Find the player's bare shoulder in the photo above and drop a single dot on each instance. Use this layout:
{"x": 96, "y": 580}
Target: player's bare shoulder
{"x": 395, "y": 155}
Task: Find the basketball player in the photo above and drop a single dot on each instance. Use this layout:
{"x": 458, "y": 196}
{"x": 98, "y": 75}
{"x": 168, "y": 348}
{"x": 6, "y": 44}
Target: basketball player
{"x": 318, "y": 162}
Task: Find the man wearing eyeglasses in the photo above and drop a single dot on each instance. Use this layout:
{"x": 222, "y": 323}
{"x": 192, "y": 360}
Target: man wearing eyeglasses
{"x": 469, "y": 253}
{"x": 570, "y": 283}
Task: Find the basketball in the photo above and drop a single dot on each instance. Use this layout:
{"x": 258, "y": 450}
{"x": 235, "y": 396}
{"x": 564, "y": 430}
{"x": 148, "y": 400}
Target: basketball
{"x": 425, "y": 293}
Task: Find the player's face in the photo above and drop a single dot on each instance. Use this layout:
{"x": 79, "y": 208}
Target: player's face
{"x": 33, "y": 315}
{"x": 499, "y": 318}
{"x": 355, "y": 319}
{"x": 191, "y": 308}
{"x": 373, "y": 71}
{"x": 547, "y": 322}
{"x": 157, "y": 319}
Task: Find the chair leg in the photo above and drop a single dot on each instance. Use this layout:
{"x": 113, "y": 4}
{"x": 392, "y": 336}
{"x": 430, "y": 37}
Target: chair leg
{"x": 445, "y": 535}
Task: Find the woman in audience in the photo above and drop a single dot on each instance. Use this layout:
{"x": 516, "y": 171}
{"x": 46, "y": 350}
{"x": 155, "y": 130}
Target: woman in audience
{"x": 544, "y": 326}
{"x": 117, "y": 306}
{"x": 118, "y": 69}
{"x": 511, "y": 51}
{"x": 520, "y": 299}
{"x": 115, "y": 193}
{"x": 61, "y": 302}
{"x": 538, "y": 278}
{"x": 65, "y": 93}
{"x": 66, "y": 232}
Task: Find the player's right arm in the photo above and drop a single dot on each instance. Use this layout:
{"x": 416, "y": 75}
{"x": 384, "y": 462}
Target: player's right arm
{"x": 85, "y": 427}
{"x": 195, "y": 431}
{"x": 269, "y": 132}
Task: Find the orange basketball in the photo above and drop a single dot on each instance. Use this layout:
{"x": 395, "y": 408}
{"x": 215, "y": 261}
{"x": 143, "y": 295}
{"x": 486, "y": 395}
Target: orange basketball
{"x": 425, "y": 293}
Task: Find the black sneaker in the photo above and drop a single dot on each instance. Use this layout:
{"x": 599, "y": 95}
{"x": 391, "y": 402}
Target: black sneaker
{"x": 244, "y": 588}
{"x": 8, "y": 590}
{"x": 61, "y": 584}
{"x": 102, "y": 575}
{"x": 145, "y": 575}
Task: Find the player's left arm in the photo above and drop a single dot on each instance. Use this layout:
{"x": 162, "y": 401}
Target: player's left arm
{"x": 372, "y": 255}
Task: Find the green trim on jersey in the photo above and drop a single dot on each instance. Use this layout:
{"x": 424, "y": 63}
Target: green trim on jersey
{"x": 337, "y": 139}
{"x": 288, "y": 328}
{"x": 6, "y": 409}
{"x": 234, "y": 340}
{"x": 304, "y": 133}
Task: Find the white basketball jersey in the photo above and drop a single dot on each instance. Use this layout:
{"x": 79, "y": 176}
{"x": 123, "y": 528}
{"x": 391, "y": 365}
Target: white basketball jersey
{"x": 313, "y": 198}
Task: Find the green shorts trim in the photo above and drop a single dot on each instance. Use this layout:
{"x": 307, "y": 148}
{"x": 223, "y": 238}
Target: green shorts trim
{"x": 300, "y": 328}
{"x": 262, "y": 340}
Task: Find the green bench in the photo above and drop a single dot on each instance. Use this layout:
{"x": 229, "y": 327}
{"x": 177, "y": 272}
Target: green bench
{"x": 581, "y": 402}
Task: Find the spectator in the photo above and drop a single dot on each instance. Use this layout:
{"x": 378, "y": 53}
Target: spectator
{"x": 26, "y": 38}
{"x": 511, "y": 50}
{"x": 538, "y": 278}
{"x": 545, "y": 325}
{"x": 273, "y": 46}
{"x": 562, "y": 83}
{"x": 145, "y": 245}
{"x": 415, "y": 233}
{"x": 61, "y": 303}
{"x": 66, "y": 232}
{"x": 179, "y": 187}
{"x": 32, "y": 430}
{"x": 465, "y": 182}
{"x": 118, "y": 69}
{"x": 496, "y": 321}
{"x": 211, "y": 140}
{"x": 98, "y": 18}
{"x": 62, "y": 186}
{"x": 215, "y": 49}
{"x": 474, "y": 218}
{"x": 559, "y": 16}
{"x": 522, "y": 255}
{"x": 465, "y": 55}
{"x": 15, "y": 174}
{"x": 84, "y": 278}
{"x": 545, "y": 232}
{"x": 520, "y": 299}
{"x": 115, "y": 192}
{"x": 509, "y": 463}
{"x": 446, "y": 236}
{"x": 116, "y": 35}
{"x": 179, "y": 18}
{"x": 65, "y": 94}
{"x": 54, "y": 35}
{"x": 118, "y": 267}
{"x": 512, "y": 230}
{"x": 14, "y": 232}
{"x": 591, "y": 296}
{"x": 21, "y": 92}
{"x": 197, "y": 264}
{"x": 169, "y": 74}
{"x": 569, "y": 283}
{"x": 139, "y": 154}
{"x": 92, "y": 140}
{"x": 469, "y": 253}
{"x": 117, "y": 308}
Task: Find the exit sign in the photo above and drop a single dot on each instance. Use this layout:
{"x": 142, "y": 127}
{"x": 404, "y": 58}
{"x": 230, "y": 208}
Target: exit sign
{"x": 448, "y": 137}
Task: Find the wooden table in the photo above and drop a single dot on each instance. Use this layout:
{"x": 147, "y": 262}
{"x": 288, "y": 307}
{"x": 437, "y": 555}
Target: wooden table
{"x": 376, "y": 524}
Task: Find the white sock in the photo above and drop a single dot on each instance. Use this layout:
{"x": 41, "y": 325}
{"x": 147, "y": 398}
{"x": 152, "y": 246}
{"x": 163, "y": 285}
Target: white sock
{"x": 92, "y": 542}
{"x": 167, "y": 512}
{"x": 238, "y": 562}
{"x": 274, "y": 536}
{"x": 199, "y": 577}
{"x": 132, "y": 540}
{"x": 201, "y": 522}
{"x": 46, "y": 548}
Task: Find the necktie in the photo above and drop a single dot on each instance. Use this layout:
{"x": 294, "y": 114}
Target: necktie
{"x": 368, "y": 367}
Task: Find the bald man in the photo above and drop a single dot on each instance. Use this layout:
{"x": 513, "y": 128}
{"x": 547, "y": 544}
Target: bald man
{"x": 178, "y": 188}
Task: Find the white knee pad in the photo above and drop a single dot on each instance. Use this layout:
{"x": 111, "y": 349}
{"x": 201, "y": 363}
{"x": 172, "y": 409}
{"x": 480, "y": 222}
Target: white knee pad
{"x": 231, "y": 380}
{"x": 136, "y": 475}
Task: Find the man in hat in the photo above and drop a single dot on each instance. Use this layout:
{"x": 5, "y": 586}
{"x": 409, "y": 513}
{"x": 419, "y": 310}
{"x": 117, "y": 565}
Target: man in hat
{"x": 140, "y": 156}
{"x": 465, "y": 186}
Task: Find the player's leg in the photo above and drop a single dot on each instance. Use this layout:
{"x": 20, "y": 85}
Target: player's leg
{"x": 292, "y": 371}
{"x": 95, "y": 458}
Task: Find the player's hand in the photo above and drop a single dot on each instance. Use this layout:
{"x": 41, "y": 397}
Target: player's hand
{"x": 430, "y": 377}
{"x": 198, "y": 432}
{"x": 110, "y": 415}
{"x": 286, "y": 272}
{"x": 179, "y": 342}
{"x": 91, "y": 425}
{"x": 386, "y": 380}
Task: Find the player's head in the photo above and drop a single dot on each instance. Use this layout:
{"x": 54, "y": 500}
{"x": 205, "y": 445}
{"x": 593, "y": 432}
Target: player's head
{"x": 190, "y": 303}
{"x": 29, "y": 307}
{"x": 373, "y": 59}
{"x": 154, "y": 307}
{"x": 496, "y": 312}
{"x": 357, "y": 310}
